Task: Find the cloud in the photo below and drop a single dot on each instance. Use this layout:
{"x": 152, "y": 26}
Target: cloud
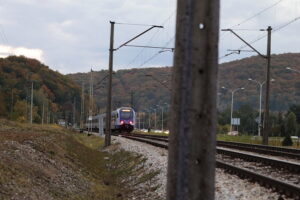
{"x": 59, "y": 31}
{"x": 74, "y": 35}
{"x": 21, "y": 51}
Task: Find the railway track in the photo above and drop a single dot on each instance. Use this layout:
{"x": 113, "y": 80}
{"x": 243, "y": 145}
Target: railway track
{"x": 282, "y": 187}
{"x": 269, "y": 150}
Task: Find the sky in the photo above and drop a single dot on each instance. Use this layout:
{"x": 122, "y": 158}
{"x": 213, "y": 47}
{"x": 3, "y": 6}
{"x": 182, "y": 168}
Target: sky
{"x": 72, "y": 36}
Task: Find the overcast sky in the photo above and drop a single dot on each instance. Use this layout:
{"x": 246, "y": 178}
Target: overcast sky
{"x": 73, "y": 35}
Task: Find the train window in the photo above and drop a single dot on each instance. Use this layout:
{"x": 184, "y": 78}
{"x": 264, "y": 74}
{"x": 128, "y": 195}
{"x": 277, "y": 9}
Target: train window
{"x": 126, "y": 114}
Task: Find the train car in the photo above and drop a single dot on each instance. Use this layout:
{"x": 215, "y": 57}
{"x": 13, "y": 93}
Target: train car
{"x": 122, "y": 119}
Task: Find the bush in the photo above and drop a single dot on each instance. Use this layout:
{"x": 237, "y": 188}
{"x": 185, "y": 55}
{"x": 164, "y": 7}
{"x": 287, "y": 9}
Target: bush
{"x": 287, "y": 141}
{"x": 223, "y": 129}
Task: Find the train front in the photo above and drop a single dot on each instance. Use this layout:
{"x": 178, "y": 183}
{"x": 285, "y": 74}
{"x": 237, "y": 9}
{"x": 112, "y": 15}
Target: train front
{"x": 127, "y": 119}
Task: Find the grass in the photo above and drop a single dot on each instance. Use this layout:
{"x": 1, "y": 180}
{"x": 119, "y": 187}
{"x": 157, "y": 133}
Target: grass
{"x": 63, "y": 161}
{"x": 150, "y": 133}
{"x": 273, "y": 141}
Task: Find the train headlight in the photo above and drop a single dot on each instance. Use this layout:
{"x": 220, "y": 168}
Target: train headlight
{"x": 122, "y": 122}
{"x": 131, "y": 122}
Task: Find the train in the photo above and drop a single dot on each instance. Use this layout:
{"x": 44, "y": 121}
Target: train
{"x": 122, "y": 120}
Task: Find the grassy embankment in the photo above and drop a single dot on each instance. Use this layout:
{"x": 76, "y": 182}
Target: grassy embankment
{"x": 50, "y": 162}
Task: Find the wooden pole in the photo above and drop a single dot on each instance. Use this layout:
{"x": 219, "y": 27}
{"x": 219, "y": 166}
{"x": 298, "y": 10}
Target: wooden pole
{"x": 191, "y": 167}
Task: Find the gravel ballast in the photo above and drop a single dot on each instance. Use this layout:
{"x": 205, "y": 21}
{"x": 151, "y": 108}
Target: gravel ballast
{"x": 228, "y": 187}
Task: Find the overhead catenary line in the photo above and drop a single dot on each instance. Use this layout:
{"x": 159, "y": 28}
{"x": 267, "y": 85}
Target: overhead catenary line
{"x": 257, "y": 14}
{"x": 156, "y": 54}
{"x": 151, "y": 47}
{"x": 252, "y": 17}
{"x": 151, "y": 39}
{"x": 3, "y": 35}
{"x": 276, "y": 29}
{"x": 130, "y": 24}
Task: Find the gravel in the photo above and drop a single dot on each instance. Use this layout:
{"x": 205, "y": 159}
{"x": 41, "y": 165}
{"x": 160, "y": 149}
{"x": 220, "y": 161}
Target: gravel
{"x": 156, "y": 159}
{"x": 264, "y": 169}
{"x": 228, "y": 187}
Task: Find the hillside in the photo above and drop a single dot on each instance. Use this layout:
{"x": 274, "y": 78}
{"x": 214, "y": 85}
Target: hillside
{"x": 52, "y": 91}
{"x": 285, "y": 90}
{"x": 148, "y": 92}
{"x": 129, "y": 87}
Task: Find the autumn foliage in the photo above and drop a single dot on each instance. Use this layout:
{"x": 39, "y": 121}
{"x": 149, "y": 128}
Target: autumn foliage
{"x": 53, "y": 93}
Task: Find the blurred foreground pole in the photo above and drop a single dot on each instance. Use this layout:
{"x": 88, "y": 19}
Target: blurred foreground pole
{"x": 191, "y": 167}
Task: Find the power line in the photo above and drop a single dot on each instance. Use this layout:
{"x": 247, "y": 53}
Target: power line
{"x": 286, "y": 24}
{"x": 151, "y": 39}
{"x": 276, "y": 29}
{"x": 133, "y": 24}
{"x": 3, "y": 35}
{"x": 257, "y": 14}
{"x": 245, "y": 29}
{"x": 156, "y": 54}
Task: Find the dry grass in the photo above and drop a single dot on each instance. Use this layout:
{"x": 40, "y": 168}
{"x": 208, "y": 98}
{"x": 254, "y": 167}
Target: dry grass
{"x": 273, "y": 141}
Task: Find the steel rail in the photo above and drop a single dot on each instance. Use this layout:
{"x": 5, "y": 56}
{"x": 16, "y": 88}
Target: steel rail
{"x": 269, "y": 150}
{"x": 281, "y": 187}
{"x": 289, "y": 166}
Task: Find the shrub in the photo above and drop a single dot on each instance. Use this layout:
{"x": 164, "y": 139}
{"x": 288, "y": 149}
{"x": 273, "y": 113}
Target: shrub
{"x": 287, "y": 141}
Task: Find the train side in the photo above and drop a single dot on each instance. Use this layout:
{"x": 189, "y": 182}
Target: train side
{"x": 122, "y": 119}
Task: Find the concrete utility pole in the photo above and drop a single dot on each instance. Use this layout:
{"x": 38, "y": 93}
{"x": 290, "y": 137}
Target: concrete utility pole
{"x": 109, "y": 93}
{"x": 74, "y": 112}
{"x": 149, "y": 119}
{"x": 267, "y": 97}
{"x": 191, "y": 167}
{"x": 155, "y": 119}
{"x": 131, "y": 99}
{"x": 162, "y": 119}
{"x": 31, "y": 105}
{"x": 12, "y": 102}
{"x": 82, "y": 107}
{"x": 43, "y": 112}
{"x": 110, "y": 70}
{"x": 91, "y": 103}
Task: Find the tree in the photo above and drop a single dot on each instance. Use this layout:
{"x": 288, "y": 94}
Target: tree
{"x": 290, "y": 129}
{"x": 247, "y": 118}
{"x": 20, "y": 111}
{"x": 296, "y": 110}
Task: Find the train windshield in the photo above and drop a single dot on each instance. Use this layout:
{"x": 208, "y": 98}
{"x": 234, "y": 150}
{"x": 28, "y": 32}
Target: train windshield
{"x": 126, "y": 114}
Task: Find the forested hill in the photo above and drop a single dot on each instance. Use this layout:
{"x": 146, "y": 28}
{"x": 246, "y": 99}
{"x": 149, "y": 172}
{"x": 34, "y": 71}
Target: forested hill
{"x": 52, "y": 90}
{"x": 285, "y": 90}
{"x": 129, "y": 87}
{"x": 147, "y": 91}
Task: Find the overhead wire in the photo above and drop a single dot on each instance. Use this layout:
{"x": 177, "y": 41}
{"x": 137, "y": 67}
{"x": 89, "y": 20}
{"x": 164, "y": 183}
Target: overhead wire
{"x": 150, "y": 40}
{"x": 3, "y": 35}
{"x": 156, "y": 54}
{"x": 275, "y": 29}
{"x": 130, "y": 24}
{"x": 253, "y": 16}
{"x": 257, "y": 14}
